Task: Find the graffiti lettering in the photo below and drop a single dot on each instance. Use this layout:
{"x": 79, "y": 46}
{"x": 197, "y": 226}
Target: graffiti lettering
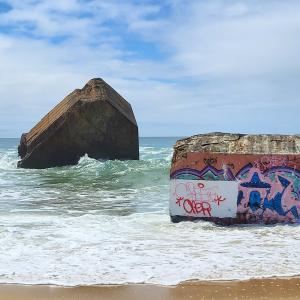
{"x": 197, "y": 207}
{"x": 267, "y": 162}
{"x": 197, "y": 198}
{"x": 195, "y": 191}
{"x": 210, "y": 161}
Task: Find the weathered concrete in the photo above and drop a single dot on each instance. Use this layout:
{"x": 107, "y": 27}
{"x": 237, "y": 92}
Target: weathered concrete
{"x": 235, "y": 178}
{"x": 237, "y": 143}
{"x": 94, "y": 120}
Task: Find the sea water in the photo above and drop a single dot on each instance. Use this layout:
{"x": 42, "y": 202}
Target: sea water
{"x": 107, "y": 222}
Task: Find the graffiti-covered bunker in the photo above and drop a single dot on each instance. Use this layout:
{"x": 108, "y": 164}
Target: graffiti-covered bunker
{"x": 236, "y": 178}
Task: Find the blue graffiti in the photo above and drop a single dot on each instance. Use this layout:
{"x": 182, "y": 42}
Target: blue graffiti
{"x": 274, "y": 204}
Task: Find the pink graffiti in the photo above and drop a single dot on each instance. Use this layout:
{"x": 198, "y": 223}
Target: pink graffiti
{"x": 196, "y": 198}
{"x": 280, "y": 189}
{"x": 266, "y": 162}
{"x": 195, "y": 191}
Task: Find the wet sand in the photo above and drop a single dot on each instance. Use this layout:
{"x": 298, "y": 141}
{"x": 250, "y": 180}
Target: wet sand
{"x": 273, "y": 288}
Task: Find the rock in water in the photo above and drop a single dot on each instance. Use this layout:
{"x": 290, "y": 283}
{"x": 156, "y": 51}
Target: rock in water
{"x": 236, "y": 178}
{"x": 94, "y": 120}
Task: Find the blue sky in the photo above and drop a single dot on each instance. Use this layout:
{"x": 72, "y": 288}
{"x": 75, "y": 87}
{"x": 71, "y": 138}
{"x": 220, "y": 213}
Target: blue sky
{"x": 186, "y": 67}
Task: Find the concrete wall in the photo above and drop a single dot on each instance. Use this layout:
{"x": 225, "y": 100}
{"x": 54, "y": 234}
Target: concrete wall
{"x": 236, "y": 188}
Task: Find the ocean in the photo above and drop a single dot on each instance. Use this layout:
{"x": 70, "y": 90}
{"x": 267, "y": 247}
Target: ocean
{"x": 107, "y": 222}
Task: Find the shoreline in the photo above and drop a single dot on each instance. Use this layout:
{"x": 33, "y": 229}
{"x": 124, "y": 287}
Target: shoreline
{"x": 265, "y": 288}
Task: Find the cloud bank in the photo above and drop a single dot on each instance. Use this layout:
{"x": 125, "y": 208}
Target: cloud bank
{"x": 185, "y": 66}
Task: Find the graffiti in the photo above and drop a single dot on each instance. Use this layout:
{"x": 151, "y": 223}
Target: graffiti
{"x": 203, "y": 198}
{"x": 269, "y": 198}
{"x": 195, "y": 207}
{"x": 210, "y": 161}
{"x": 219, "y": 199}
{"x": 265, "y": 162}
{"x": 229, "y": 165}
{"x": 266, "y": 190}
{"x": 195, "y": 191}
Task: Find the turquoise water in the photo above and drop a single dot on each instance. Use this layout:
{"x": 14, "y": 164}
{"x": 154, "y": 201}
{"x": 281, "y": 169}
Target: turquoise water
{"x": 107, "y": 222}
{"x": 107, "y": 187}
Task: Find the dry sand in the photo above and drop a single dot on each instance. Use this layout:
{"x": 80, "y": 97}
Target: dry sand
{"x": 273, "y": 288}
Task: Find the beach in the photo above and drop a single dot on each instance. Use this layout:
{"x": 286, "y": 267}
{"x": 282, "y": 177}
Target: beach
{"x": 272, "y": 288}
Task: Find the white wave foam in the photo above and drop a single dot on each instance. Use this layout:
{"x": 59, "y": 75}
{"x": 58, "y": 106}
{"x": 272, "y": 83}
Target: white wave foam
{"x": 81, "y": 225}
{"x": 8, "y": 159}
{"x": 102, "y": 249}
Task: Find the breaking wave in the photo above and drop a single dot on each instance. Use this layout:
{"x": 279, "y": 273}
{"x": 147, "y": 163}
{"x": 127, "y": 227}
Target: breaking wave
{"x": 104, "y": 222}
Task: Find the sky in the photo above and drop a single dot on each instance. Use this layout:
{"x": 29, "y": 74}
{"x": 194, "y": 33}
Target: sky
{"x": 186, "y": 67}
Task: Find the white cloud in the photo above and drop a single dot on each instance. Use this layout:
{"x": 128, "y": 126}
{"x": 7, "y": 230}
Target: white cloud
{"x": 228, "y": 65}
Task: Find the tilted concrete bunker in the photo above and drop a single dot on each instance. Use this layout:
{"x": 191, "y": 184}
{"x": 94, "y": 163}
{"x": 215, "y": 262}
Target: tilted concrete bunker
{"x": 94, "y": 120}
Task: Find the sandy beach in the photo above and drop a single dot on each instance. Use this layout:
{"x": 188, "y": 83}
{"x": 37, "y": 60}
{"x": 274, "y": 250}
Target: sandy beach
{"x": 272, "y": 288}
